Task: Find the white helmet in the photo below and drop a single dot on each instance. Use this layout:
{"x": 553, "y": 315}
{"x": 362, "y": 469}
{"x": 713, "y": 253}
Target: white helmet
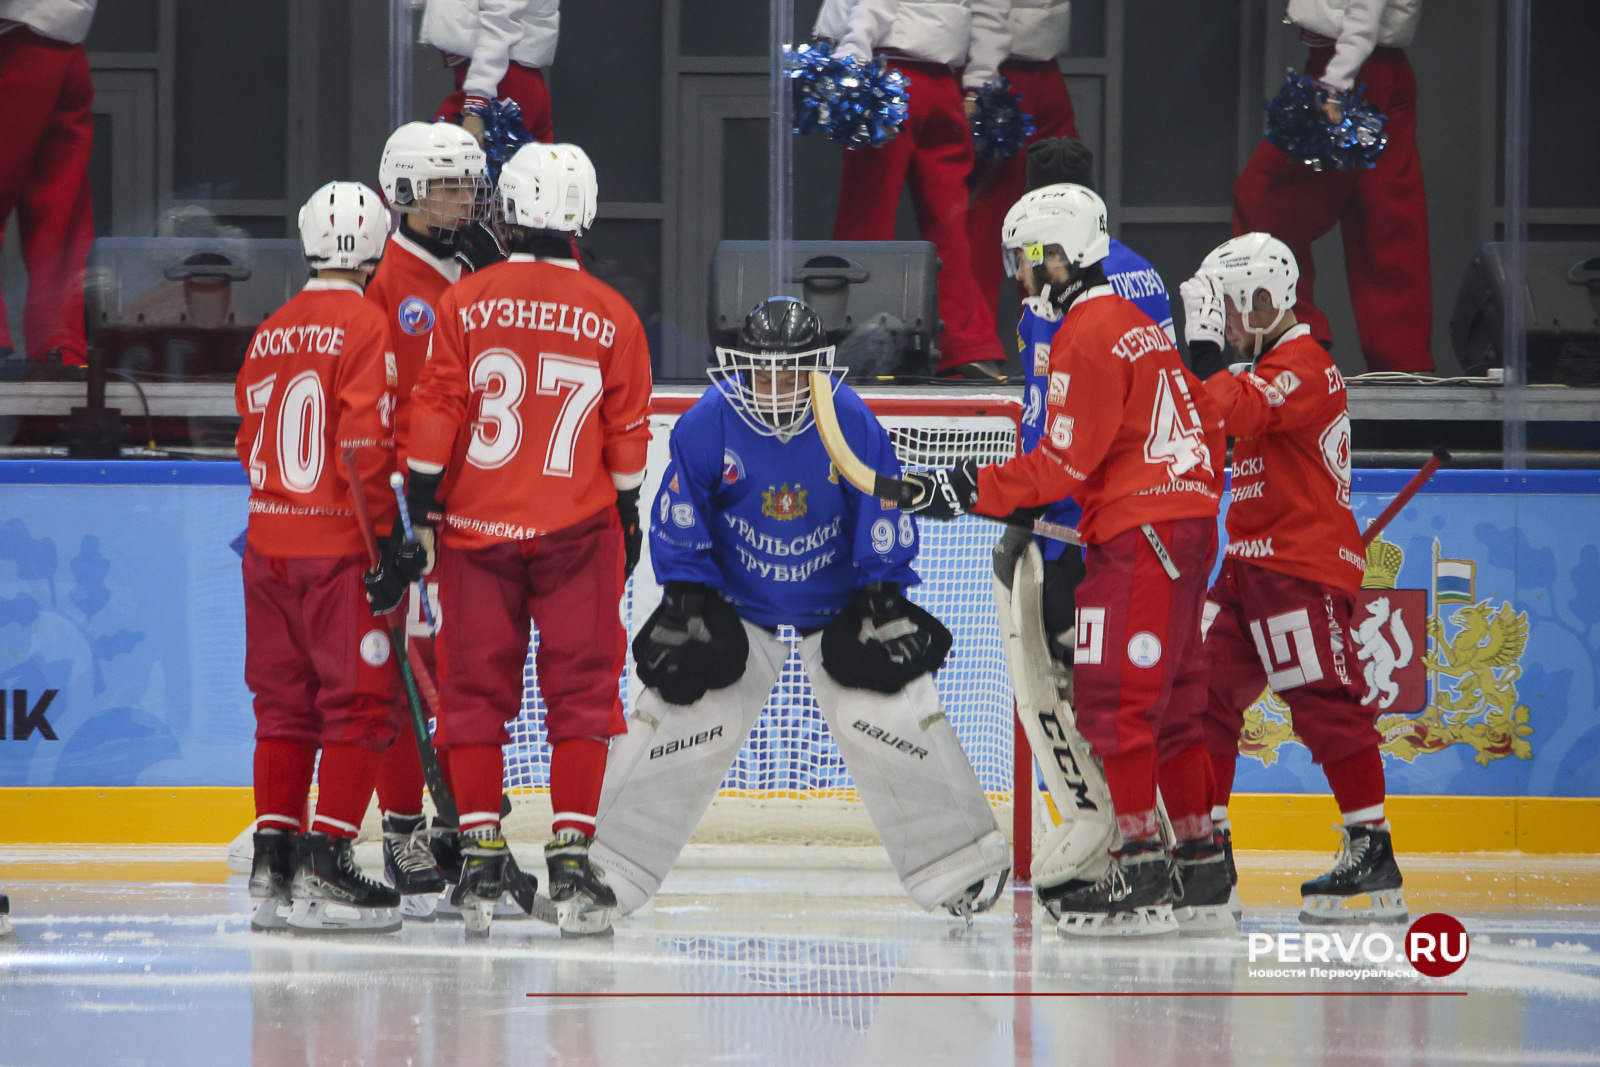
{"x": 421, "y": 160}
{"x": 548, "y": 187}
{"x": 1250, "y": 262}
{"x": 343, "y": 227}
{"x": 1069, "y": 217}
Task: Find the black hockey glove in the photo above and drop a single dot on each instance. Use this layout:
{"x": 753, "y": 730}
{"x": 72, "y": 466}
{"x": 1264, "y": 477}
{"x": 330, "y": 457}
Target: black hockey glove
{"x": 881, "y": 641}
{"x": 410, "y": 557}
{"x": 632, "y": 533}
{"x": 693, "y": 642}
{"x": 386, "y": 586}
{"x": 1206, "y": 359}
{"x": 477, "y": 247}
{"x": 945, "y": 492}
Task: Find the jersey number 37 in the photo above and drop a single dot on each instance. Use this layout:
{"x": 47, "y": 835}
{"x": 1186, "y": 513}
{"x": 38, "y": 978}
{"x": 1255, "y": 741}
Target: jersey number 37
{"x": 502, "y": 378}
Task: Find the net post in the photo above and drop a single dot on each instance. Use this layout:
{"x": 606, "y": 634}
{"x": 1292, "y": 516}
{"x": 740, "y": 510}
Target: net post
{"x": 1021, "y": 803}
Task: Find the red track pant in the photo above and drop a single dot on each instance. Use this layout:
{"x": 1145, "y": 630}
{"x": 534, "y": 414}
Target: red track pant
{"x": 997, "y": 186}
{"x": 47, "y": 132}
{"x": 1382, "y": 214}
{"x": 934, "y": 153}
{"x": 525, "y": 85}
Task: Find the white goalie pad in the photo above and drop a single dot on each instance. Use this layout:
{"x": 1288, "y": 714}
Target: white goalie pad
{"x": 663, "y": 774}
{"x": 1079, "y": 846}
{"x": 919, "y": 788}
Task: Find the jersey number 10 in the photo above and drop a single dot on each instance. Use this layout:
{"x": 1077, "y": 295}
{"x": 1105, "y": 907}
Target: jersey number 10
{"x": 503, "y": 380}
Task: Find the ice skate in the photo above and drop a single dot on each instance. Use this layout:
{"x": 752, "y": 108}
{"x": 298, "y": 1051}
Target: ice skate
{"x": 1202, "y": 890}
{"x": 329, "y": 893}
{"x": 1132, "y": 899}
{"x": 409, "y": 866}
{"x": 446, "y": 849}
{"x": 1225, "y": 839}
{"x": 5, "y": 918}
{"x": 972, "y": 900}
{"x": 271, "y": 872}
{"x": 584, "y": 903}
{"x": 1364, "y": 868}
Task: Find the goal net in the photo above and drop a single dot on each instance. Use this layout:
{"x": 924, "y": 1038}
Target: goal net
{"x": 788, "y": 784}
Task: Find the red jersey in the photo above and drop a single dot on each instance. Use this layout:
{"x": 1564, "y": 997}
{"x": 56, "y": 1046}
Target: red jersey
{"x": 319, "y": 378}
{"x": 1290, "y": 421}
{"x": 1129, "y": 433}
{"x": 549, "y": 367}
{"x": 407, "y": 287}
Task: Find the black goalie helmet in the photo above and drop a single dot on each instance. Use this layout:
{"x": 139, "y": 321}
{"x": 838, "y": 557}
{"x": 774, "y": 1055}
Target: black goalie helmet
{"x": 766, "y": 375}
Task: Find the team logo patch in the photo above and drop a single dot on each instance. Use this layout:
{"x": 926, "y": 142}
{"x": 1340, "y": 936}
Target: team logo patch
{"x": 1058, "y": 388}
{"x": 732, "y": 466}
{"x": 1041, "y": 359}
{"x": 416, "y": 317}
{"x": 375, "y": 648}
{"x": 683, "y": 515}
{"x": 673, "y": 485}
{"x": 1144, "y": 649}
{"x": 784, "y": 502}
{"x": 391, "y": 375}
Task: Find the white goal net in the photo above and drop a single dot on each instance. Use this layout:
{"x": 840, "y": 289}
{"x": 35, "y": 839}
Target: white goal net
{"x": 789, "y": 784}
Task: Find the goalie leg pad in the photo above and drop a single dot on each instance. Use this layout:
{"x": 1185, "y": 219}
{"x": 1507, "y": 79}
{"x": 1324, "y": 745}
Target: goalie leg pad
{"x": 1078, "y": 848}
{"x": 662, "y": 776}
{"x": 920, "y": 791}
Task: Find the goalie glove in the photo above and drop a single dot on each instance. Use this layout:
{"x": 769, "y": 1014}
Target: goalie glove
{"x": 692, "y": 643}
{"x": 881, "y": 641}
{"x": 943, "y": 493}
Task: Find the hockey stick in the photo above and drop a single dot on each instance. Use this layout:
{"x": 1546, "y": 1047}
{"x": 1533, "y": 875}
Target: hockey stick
{"x": 443, "y": 802}
{"x": 1418, "y": 480}
{"x": 855, "y": 470}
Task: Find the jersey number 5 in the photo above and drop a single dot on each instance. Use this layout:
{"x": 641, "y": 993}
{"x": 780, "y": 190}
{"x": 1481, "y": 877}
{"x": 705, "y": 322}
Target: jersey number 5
{"x": 302, "y": 420}
{"x": 501, "y": 376}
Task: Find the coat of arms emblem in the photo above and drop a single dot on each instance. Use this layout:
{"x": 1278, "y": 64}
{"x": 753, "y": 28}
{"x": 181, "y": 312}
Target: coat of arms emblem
{"x": 783, "y": 502}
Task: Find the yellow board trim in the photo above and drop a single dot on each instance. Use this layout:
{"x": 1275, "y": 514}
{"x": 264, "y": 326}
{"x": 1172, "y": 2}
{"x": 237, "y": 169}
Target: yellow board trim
{"x": 1273, "y": 821}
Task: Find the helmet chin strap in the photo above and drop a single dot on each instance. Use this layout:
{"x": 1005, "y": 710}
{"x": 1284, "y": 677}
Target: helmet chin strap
{"x": 1261, "y": 334}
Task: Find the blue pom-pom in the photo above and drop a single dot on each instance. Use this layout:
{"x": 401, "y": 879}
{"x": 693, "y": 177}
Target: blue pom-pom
{"x": 999, "y": 126}
{"x": 503, "y": 133}
{"x": 857, "y": 105}
{"x": 1297, "y": 124}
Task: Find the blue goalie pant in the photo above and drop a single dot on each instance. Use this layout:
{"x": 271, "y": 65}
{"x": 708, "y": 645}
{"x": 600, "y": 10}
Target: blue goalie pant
{"x": 920, "y": 791}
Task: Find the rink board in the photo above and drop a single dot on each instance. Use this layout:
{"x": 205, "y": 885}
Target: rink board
{"x": 120, "y": 604}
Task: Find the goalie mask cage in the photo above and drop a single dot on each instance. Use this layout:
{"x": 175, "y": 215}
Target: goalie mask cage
{"x": 788, "y": 784}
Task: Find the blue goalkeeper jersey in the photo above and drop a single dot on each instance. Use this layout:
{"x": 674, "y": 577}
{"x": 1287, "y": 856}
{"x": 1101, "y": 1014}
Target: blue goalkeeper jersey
{"x": 1133, "y": 278}
{"x": 769, "y": 523}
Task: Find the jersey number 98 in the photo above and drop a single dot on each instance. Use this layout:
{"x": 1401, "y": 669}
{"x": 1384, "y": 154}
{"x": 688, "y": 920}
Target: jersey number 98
{"x": 503, "y": 380}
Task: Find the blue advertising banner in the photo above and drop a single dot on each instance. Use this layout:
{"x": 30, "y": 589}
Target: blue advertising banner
{"x": 122, "y": 633}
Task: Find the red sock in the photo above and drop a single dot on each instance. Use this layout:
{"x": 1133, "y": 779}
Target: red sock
{"x": 1358, "y": 786}
{"x": 478, "y": 774}
{"x": 577, "y": 769}
{"x": 1186, "y": 788}
{"x": 1222, "y": 769}
{"x": 283, "y": 781}
{"x": 344, "y": 788}
{"x": 1131, "y": 777}
{"x": 400, "y": 777}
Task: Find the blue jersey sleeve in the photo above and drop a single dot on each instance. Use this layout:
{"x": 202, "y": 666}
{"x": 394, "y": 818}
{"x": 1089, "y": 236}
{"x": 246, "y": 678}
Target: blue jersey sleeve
{"x": 680, "y": 535}
{"x": 884, "y": 538}
{"x": 1133, "y": 278}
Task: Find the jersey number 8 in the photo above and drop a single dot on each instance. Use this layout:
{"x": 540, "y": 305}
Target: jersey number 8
{"x": 503, "y": 380}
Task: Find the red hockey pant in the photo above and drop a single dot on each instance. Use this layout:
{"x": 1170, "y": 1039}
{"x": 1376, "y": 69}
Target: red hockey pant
{"x": 1382, "y": 215}
{"x": 568, "y": 583}
{"x": 997, "y": 186}
{"x": 47, "y": 131}
{"x": 934, "y": 154}
{"x": 1275, "y": 630}
{"x": 1139, "y": 673}
{"x": 525, "y": 85}
{"x": 400, "y": 778}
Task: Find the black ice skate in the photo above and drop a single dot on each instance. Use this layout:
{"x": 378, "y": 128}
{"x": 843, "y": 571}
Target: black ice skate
{"x": 329, "y": 893}
{"x": 492, "y": 886}
{"x": 1132, "y": 899}
{"x": 409, "y": 866}
{"x": 584, "y": 903}
{"x": 1201, "y": 889}
{"x": 271, "y": 872}
{"x": 517, "y": 902}
{"x": 1365, "y": 867}
{"x": 5, "y": 918}
{"x": 1225, "y": 839}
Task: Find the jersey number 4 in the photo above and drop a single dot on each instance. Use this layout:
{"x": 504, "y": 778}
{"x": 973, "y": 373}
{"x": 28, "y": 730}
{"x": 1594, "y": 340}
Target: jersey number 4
{"x": 302, "y": 422}
{"x": 500, "y": 375}
{"x": 1175, "y": 440}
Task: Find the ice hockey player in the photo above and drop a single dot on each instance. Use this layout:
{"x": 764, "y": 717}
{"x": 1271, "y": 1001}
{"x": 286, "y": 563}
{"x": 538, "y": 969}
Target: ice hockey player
{"x": 1130, "y": 435}
{"x": 319, "y": 378}
{"x": 549, "y": 368}
{"x": 1278, "y": 616}
{"x": 435, "y": 175}
{"x": 753, "y": 530}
